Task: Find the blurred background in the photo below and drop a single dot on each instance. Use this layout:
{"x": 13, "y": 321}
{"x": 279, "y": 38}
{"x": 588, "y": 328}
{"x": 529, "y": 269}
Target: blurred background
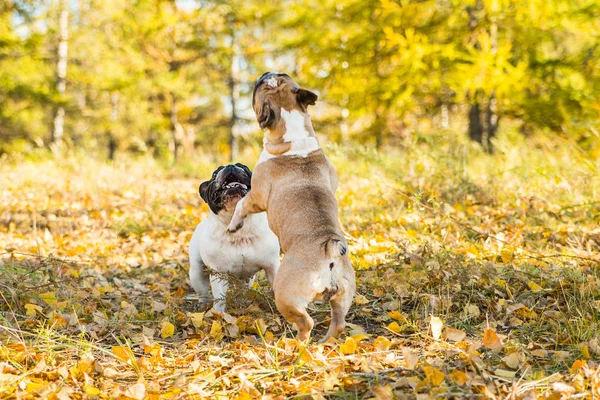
{"x": 173, "y": 79}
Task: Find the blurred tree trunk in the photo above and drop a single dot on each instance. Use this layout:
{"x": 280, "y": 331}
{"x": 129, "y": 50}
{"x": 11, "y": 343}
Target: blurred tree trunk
{"x": 176, "y": 129}
{"x": 483, "y": 128}
{"x": 234, "y": 93}
{"x": 57, "y": 138}
{"x": 114, "y": 114}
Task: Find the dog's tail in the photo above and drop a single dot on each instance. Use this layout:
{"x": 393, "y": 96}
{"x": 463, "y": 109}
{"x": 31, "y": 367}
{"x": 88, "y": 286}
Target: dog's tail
{"x": 335, "y": 249}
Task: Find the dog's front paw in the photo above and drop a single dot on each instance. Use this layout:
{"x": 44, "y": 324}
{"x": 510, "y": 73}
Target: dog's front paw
{"x": 235, "y": 226}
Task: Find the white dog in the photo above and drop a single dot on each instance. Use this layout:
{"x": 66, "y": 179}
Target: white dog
{"x": 243, "y": 253}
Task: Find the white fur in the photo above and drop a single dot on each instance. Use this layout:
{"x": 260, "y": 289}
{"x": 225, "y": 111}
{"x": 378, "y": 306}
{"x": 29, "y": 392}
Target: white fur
{"x": 271, "y": 82}
{"x": 242, "y": 253}
{"x": 296, "y": 133}
{"x": 295, "y": 125}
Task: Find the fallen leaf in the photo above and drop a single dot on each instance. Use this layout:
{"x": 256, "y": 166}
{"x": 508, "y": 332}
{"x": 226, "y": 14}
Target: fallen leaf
{"x": 436, "y": 325}
{"x": 397, "y": 315}
{"x": 167, "y": 330}
{"x": 512, "y": 360}
{"x": 394, "y": 327}
{"x": 455, "y": 335}
{"x": 434, "y": 376}
{"x": 360, "y": 300}
{"x": 382, "y": 343}
{"x": 349, "y": 346}
{"x": 31, "y": 309}
{"x": 492, "y": 341}
{"x": 577, "y": 365}
{"x": 503, "y": 373}
{"x": 123, "y": 353}
{"x": 534, "y": 286}
{"x": 459, "y": 377}
{"x": 137, "y": 391}
{"x": 90, "y": 390}
{"x": 216, "y": 330}
{"x": 410, "y": 358}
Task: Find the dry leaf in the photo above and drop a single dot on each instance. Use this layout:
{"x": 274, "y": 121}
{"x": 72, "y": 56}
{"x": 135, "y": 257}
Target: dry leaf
{"x": 436, "y": 326}
{"x": 512, "y": 360}
{"x": 534, "y": 286}
{"x": 123, "y": 353}
{"x": 492, "y": 341}
{"x": 382, "y": 343}
{"x": 349, "y": 346}
{"x": 503, "y": 373}
{"x": 394, "y": 327}
{"x": 577, "y": 365}
{"x": 434, "y": 376}
{"x": 410, "y": 358}
{"x": 455, "y": 335}
{"x": 459, "y": 377}
{"x": 167, "y": 330}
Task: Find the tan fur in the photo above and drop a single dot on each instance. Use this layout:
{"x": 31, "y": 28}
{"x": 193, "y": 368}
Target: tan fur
{"x": 298, "y": 194}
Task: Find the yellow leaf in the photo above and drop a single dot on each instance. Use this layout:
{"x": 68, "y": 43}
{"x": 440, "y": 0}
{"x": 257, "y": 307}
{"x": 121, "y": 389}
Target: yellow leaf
{"x": 49, "y": 298}
{"x": 459, "y": 377}
{"x": 382, "y": 343}
{"x": 410, "y": 357}
{"x": 167, "y": 330}
{"x": 534, "y": 286}
{"x": 360, "y": 299}
{"x": 394, "y": 327}
{"x": 455, "y": 335}
{"x": 506, "y": 256}
{"x": 436, "y": 325}
{"x": 492, "y": 341}
{"x": 197, "y": 319}
{"x": 503, "y": 373}
{"x": 90, "y": 390}
{"x": 123, "y": 353}
{"x": 349, "y": 346}
{"x": 216, "y": 330}
{"x": 512, "y": 360}
{"x": 434, "y": 376}
{"x": 360, "y": 336}
{"x": 244, "y": 396}
{"x": 577, "y": 365}
{"x": 585, "y": 352}
{"x": 397, "y": 315}
{"x": 32, "y": 309}
{"x": 34, "y": 386}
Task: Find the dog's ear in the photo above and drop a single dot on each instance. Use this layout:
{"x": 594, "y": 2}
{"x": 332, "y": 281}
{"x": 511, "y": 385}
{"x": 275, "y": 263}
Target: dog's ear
{"x": 266, "y": 115}
{"x": 245, "y": 168}
{"x": 306, "y": 97}
{"x": 203, "y": 189}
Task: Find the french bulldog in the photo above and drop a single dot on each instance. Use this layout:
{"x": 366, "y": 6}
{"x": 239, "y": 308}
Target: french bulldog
{"x": 294, "y": 183}
{"x": 243, "y": 253}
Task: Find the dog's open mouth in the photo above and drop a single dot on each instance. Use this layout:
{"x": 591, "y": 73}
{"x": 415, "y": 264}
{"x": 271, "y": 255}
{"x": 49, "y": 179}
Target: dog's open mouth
{"x": 232, "y": 185}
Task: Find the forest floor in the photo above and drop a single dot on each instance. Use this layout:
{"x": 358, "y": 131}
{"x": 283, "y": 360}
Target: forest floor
{"x": 478, "y": 276}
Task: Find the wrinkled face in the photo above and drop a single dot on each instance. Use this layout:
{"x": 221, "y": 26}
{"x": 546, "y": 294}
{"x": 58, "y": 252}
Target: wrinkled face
{"x": 226, "y": 187}
{"x": 274, "y": 91}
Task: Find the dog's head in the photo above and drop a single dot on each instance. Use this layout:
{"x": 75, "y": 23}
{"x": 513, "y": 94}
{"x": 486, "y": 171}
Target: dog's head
{"x": 226, "y": 187}
{"x": 272, "y": 93}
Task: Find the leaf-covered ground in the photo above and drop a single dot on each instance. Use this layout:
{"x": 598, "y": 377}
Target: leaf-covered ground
{"x": 478, "y": 276}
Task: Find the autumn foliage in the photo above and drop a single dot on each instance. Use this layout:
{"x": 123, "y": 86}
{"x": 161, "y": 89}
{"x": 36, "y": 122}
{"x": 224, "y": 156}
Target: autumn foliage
{"x": 475, "y": 278}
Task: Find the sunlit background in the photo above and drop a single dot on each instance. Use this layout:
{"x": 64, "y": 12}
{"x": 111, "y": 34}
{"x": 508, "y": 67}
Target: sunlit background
{"x": 173, "y": 79}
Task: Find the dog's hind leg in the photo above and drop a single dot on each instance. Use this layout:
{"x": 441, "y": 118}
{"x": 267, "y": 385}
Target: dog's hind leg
{"x": 340, "y": 305}
{"x": 296, "y": 314}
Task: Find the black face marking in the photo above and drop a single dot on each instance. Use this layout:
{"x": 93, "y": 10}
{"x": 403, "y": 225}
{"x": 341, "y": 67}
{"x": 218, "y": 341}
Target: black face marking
{"x": 227, "y": 185}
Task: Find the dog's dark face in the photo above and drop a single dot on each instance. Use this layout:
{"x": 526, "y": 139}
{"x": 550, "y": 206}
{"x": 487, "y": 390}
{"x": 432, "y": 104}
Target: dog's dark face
{"x": 226, "y": 187}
